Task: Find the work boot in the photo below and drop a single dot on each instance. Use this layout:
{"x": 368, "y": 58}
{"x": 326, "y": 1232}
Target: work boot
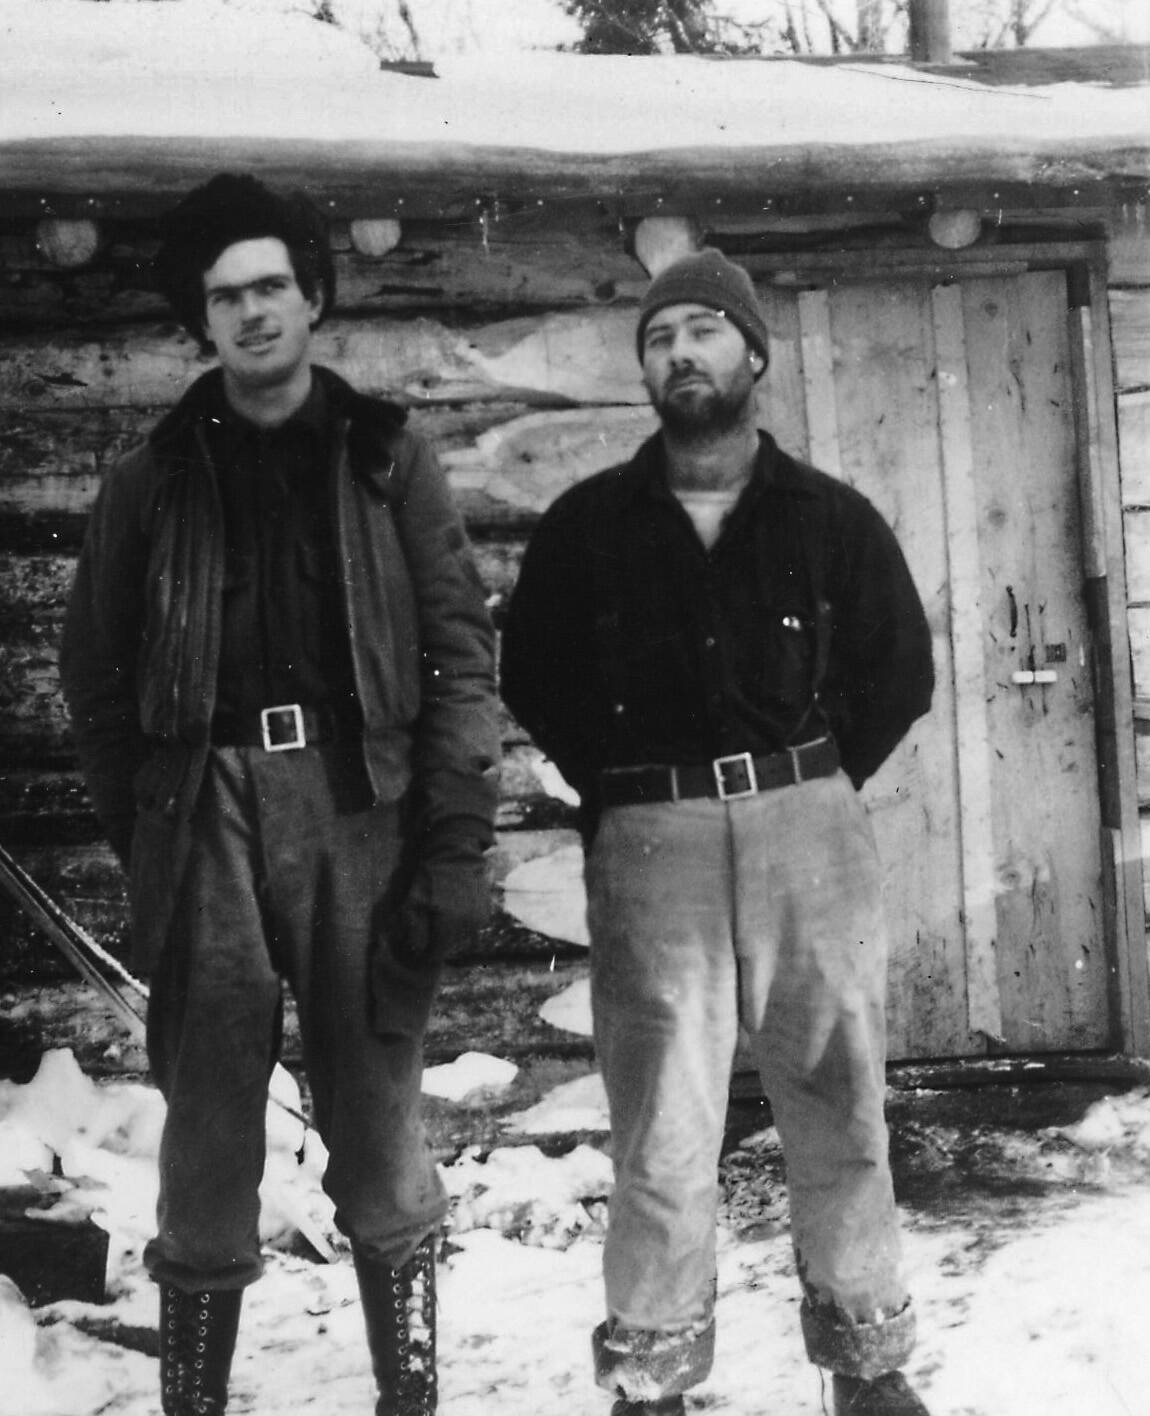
{"x": 197, "y": 1340}
{"x": 665, "y": 1406}
{"x": 399, "y": 1312}
{"x": 888, "y": 1395}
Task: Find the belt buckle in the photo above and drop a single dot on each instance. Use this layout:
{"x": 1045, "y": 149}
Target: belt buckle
{"x": 738, "y": 761}
{"x": 294, "y": 721}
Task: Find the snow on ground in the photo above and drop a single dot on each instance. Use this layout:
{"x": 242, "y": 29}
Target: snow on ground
{"x": 1034, "y": 1305}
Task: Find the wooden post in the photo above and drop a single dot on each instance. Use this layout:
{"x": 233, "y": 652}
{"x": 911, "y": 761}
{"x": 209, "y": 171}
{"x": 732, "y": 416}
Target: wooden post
{"x": 979, "y": 885}
{"x": 930, "y": 31}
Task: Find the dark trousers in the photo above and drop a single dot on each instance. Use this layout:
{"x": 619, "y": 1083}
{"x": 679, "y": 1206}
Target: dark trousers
{"x": 277, "y": 884}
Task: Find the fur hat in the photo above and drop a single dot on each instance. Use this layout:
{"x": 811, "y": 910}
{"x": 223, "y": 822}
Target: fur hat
{"x": 233, "y": 208}
{"x": 708, "y": 278}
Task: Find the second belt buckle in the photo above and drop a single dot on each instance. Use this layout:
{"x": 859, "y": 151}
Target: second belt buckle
{"x": 742, "y": 764}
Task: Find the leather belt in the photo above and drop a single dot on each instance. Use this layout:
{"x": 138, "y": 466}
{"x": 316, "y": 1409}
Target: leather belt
{"x": 728, "y": 778}
{"x": 284, "y": 727}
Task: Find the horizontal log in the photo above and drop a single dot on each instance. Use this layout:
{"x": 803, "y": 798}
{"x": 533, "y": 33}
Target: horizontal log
{"x": 471, "y": 268}
{"x": 533, "y": 260}
{"x": 504, "y": 465}
{"x": 565, "y": 358}
{"x": 137, "y": 176}
{"x": 42, "y": 805}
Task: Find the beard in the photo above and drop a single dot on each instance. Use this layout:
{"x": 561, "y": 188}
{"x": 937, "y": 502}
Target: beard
{"x": 701, "y": 411}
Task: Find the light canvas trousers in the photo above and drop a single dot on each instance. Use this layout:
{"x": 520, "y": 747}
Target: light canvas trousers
{"x": 765, "y": 911}
{"x": 277, "y": 887}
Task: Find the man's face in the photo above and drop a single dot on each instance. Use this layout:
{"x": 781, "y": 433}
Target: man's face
{"x": 256, "y": 315}
{"x": 697, "y": 369}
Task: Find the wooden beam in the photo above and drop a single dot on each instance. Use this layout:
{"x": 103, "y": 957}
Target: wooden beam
{"x": 1100, "y": 497}
{"x": 979, "y": 885}
{"x": 129, "y": 177}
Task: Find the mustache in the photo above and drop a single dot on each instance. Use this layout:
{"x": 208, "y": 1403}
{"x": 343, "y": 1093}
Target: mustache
{"x": 685, "y": 376}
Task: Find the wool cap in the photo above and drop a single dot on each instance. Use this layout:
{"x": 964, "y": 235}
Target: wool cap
{"x": 708, "y": 278}
{"x": 237, "y": 207}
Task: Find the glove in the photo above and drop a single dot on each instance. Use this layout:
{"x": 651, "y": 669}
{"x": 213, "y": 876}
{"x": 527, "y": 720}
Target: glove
{"x": 443, "y": 911}
{"x": 447, "y": 904}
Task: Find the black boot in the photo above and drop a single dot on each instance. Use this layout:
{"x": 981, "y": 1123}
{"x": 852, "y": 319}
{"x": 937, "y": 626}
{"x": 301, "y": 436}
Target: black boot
{"x": 665, "y": 1406}
{"x": 197, "y": 1340}
{"x": 888, "y": 1395}
{"x": 399, "y": 1311}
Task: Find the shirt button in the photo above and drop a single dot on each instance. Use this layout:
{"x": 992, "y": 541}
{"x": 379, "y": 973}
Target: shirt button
{"x": 709, "y": 641}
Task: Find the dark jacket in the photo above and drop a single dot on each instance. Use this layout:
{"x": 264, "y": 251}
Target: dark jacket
{"x": 626, "y": 642}
{"x": 142, "y": 634}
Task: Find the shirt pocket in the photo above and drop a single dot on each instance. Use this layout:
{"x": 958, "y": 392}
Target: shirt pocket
{"x": 791, "y": 654}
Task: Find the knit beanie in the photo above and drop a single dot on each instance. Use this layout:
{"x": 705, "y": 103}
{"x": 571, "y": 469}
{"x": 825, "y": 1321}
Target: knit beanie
{"x": 230, "y": 208}
{"x": 708, "y": 278}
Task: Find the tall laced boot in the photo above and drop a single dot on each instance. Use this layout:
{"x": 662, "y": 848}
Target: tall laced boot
{"x": 399, "y": 1312}
{"x": 888, "y": 1395}
{"x": 197, "y": 1341}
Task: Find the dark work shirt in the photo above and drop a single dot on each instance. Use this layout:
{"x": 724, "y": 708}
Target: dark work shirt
{"x": 284, "y": 633}
{"x": 628, "y": 642}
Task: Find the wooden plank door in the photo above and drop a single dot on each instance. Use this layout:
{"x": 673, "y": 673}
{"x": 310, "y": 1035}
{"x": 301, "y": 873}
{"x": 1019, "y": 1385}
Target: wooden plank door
{"x": 952, "y": 407}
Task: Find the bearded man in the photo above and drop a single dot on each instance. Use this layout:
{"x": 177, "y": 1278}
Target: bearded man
{"x": 717, "y": 645}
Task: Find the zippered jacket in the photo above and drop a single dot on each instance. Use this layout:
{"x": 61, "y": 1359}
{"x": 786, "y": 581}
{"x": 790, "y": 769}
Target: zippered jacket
{"x": 141, "y": 641}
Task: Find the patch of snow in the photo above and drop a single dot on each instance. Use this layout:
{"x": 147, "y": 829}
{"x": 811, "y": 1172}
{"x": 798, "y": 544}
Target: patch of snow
{"x": 523, "y": 1194}
{"x": 570, "y": 1009}
{"x": 471, "y": 1074}
{"x": 580, "y": 1105}
{"x": 547, "y": 895}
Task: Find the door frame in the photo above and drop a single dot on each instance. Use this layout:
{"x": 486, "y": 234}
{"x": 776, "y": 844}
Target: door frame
{"x": 1085, "y": 264}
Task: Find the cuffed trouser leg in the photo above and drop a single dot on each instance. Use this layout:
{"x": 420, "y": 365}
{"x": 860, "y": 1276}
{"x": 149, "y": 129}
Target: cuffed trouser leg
{"x": 700, "y": 913}
{"x": 278, "y": 884}
{"x": 812, "y": 946}
{"x": 663, "y": 993}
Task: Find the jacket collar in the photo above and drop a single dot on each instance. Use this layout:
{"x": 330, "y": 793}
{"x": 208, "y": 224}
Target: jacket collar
{"x": 373, "y": 423}
{"x": 775, "y": 472}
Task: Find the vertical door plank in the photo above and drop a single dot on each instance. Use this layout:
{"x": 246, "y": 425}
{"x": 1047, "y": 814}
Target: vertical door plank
{"x": 819, "y": 380}
{"x": 979, "y": 911}
{"x": 781, "y": 390}
{"x": 1052, "y": 965}
{"x": 887, "y": 418}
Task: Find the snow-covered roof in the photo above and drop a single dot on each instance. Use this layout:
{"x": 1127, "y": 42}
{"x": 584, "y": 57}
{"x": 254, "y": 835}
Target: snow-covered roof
{"x": 124, "y": 96}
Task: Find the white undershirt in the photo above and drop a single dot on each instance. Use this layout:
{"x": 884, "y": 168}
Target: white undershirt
{"x": 708, "y": 510}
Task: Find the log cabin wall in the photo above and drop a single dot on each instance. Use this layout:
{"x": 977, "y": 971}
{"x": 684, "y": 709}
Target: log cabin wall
{"x": 510, "y": 339}
{"x": 511, "y": 345}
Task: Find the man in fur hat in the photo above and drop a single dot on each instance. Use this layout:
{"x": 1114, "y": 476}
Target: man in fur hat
{"x": 279, "y": 667}
{"x": 717, "y": 645}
